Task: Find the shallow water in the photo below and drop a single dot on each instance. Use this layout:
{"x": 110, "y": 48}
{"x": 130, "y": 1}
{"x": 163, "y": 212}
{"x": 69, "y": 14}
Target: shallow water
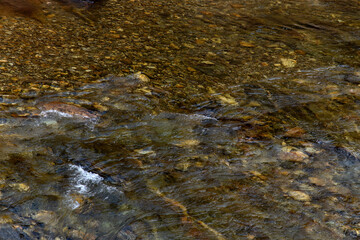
{"x": 244, "y": 124}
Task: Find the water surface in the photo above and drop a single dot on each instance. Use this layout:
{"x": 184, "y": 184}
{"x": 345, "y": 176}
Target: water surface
{"x": 242, "y": 125}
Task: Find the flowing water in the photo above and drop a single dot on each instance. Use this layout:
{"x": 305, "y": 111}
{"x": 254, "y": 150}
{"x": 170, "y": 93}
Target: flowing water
{"x": 197, "y": 119}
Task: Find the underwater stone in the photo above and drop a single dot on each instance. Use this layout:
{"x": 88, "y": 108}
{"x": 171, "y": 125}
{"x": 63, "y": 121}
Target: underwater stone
{"x": 66, "y": 110}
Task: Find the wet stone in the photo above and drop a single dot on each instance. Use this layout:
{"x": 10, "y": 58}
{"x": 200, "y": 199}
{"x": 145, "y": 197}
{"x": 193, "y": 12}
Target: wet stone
{"x": 294, "y": 132}
{"x": 29, "y": 94}
{"x": 317, "y": 181}
{"x": 353, "y": 77}
{"x": 293, "y": 155}
{"x": 299, "y": 196}
{"x": 5, "y": 219}
{"x": 67, "y": 110}
{"x": 183, "y": 166}
{"x": 20, "y": 186}
{"x": 289, "y": 63}
{"x": 100, "y": 107}
{"x": 188, "y": 143}
{"x": 341, "y": 190}
{"x": 46, "y": 217}
{"x": 127, "y": 233}
{"x": 79, "y": 234}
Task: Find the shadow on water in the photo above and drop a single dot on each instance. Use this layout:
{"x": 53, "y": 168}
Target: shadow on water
{"x": 249, "y": 131}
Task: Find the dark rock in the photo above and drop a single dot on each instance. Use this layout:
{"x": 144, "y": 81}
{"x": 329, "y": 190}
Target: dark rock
{"x": 8, "y": 232}
{"x": 353, "y": 78}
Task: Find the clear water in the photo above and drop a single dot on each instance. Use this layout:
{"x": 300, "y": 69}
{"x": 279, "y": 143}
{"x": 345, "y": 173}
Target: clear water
{"x": 249, "y": 130}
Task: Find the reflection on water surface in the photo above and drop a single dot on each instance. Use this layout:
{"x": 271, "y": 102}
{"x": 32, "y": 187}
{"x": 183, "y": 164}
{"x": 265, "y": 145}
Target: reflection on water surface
{"x": 242, "y": 125}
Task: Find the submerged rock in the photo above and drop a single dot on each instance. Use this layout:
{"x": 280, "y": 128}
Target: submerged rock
{"x": 66, "y": 110}
{"x": 293, "y": 155}
{"x": 46, "y": 217}
{"x": 295, "y": 132}
{"x": 299, "y": 196}
{"x": 22, "y": 187}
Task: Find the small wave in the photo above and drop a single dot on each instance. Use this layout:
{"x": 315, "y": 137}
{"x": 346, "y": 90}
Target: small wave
{"x": 87, "y": 184}
{"x": 46, "y": 113}
{"x": 84, "y": 179}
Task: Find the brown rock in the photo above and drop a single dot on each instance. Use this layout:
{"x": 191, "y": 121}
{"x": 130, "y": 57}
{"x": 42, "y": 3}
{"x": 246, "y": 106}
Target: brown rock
{"x": 299, "y": 196}
{"x": 340, "y": 190}
{"x": 288, "y": 63}
{"x": 292, "y": 155}
{"x": 247, "y": 44}
{"x": 67, "y": 109}
{"x": 237, "y": 5}
{"x": 317, "y": 181}
{"x": 295, "y": 132}
{"x": 100, "y": 107}
{"x": 46, "y": 217}
{"x": 300, "y": 52}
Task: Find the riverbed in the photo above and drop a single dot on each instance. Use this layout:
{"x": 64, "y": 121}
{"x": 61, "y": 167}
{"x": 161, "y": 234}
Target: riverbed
{"x": 196, "y": 119}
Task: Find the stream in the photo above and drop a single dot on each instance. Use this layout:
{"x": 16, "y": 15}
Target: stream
{"x": 197, "y": 119}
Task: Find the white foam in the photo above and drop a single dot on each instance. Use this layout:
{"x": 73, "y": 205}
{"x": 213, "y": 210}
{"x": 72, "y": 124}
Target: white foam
{"x": 62, "y": 114}
{"x": 90, "y": 122}
{"x": 87, "y": 184}
{"x": 84, "y": 178}
{"x": 45, "y": 113}
{"x": 72, "y": 203}
{"x": 201, "y": 117}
